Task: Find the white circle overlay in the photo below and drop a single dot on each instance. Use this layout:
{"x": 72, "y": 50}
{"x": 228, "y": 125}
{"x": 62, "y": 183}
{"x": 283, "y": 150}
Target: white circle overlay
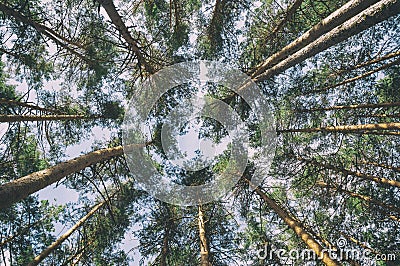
{"x": 142, "y": 104}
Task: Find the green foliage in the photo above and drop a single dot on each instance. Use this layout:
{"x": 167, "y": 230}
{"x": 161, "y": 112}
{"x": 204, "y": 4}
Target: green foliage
{"x": 69, "y": 57}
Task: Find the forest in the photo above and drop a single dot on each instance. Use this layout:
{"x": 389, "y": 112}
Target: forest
{"x": 212, "y": 133}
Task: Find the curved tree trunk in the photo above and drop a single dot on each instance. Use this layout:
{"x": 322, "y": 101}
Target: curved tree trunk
{"x": 21, "y": 188}
{"x": 61, "y": 239}
{"x": 368, "y": 18}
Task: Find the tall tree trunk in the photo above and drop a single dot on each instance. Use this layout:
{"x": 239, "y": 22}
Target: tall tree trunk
{"x": 21, "y": 188}
{"x": 19, "y": 118}
{"x": 350, "y": 107}
{"x": 204, "y": 248}
{"x": 338, "y": 17}
{"x": 345, "y": 128}
{"x": 165, "y": 247}
{"x": 297, "y": 227}
{"x": 116, "y": 19}
{"x": 29, "y": 106}
{"x": 379, "y": 180}
{"x": 62, "y": 238}
{"x": 370, "y": 17}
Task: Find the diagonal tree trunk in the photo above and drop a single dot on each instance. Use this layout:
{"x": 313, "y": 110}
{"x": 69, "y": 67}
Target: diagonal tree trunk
{"x": 366, "y": 19}
{"x": 394, "y": 168}
{"x": 289, "y": 13}
{"x": 350, "y": 107}
{"x": 379, "y": 180}
{"x": 19, "y": 118}
{"x": 381, "y": 115}
{"x": 67, "y": 234}
{"x": 365, "y": 198}
{"x": 29, "y": 106}
{"x": 338, "y": 17}
{"x": 345, "y": 128}
{"x": 116, "y": 19}
{"x": 21, "y": 232}
{"x": 359, "y": 243}
{"x": 364, "y": 64}
{"x": 21, "y": 188}
{"x": 297, "y": 227}
{"x": 366, "y": 74}
{"x": 204, "y": 248}
{"x": 51, "y": 34}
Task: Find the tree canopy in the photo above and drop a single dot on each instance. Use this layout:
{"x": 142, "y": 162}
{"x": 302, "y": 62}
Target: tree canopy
{"x": 330, "y": 75}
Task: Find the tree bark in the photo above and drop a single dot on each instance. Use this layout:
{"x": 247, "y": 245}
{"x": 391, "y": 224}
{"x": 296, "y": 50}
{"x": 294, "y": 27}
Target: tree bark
{"x": 20, "y": 118}
{"x": 61, "y": 239}
{"x": 21, "y": 188}
{"x": 116, "y": 19}
{"x": 204, "y": 249}
{"x": 368, "y": 18}
{"x": 165, "y": 248}
{"x": 350, "y": 107}
{"x": 338, "y": 17}
{"x": 297, "y": 227}
{"x": 345, "y": 128}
